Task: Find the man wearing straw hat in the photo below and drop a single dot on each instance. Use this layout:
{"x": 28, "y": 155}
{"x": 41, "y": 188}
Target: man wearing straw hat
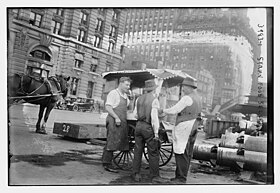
{"x": 184, "y": 134}
{"x": 146, "y": 131}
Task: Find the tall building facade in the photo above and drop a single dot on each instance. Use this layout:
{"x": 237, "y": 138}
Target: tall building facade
{"x": 217, "y": 61}
{"x": 80, "y": 43}
{"x": 164, "y": 36}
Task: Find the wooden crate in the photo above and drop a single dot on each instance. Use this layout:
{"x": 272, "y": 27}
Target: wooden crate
{"x": 215, "y": 128}
{"x": 80, "y": 131}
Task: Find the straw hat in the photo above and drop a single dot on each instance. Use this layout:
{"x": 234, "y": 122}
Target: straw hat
{"x": 190, "y": 82}
{"x": 150, "y": 85}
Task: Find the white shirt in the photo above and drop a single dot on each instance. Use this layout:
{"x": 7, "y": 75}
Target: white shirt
{"x": 181, "y": 132}
{"x": 113, "y": 98}
{"x": 154, "y": 113}
{"x": 178, "y": 107}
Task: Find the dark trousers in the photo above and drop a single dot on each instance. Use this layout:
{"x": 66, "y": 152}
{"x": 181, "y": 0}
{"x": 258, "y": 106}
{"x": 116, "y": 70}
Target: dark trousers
{"x": 107, "y": 156}
{"x": 183, "y": 160}
{"x": 144, "y": 134}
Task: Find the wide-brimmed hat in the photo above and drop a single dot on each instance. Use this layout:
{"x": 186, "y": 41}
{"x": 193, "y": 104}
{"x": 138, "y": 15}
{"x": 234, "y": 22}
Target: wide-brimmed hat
{"x": 190, "y": 82}
{"x": 150, "y": 85}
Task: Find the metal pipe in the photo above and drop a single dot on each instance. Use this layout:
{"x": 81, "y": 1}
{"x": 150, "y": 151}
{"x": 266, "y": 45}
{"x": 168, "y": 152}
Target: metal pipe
{"x": 249, "y": 143}
{"x": 205, "y": 152}
{"x": 229, "y": 140}
{"x": 252, "y": 160}
{"x": 258, "y": 144}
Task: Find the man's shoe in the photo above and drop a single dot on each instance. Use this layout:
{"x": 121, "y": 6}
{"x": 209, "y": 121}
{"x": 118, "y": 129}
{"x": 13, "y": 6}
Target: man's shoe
{"x": 177, "y": 181}
{"x": 136, "y": 177}
{"x": 160, "y": 180}
{"x": 41, "y": 131}
{"x": 110, "y": 169}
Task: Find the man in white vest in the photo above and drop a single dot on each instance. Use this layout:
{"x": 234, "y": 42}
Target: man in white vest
{"x": 184, "y": 134}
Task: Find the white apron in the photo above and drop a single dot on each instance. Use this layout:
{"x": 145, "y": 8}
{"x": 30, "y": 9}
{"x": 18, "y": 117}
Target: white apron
{"x": 180, "y": 135}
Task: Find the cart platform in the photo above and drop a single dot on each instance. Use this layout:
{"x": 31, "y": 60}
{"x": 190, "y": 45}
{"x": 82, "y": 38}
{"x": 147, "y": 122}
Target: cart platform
{"x": 80, "y": 130}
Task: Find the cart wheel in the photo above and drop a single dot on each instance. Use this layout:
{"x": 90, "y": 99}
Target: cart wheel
{"x": 75, "y": 108}
{"x": 165, "y": 153}
{"x": 123, "y": 159}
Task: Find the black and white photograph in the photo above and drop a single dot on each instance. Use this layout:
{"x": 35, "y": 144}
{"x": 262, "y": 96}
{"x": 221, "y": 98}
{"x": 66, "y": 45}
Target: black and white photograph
{"x": 159, "y": 96}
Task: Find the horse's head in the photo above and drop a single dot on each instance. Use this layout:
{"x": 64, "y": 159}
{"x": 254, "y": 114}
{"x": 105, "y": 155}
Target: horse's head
{"x": 63, "y": 84}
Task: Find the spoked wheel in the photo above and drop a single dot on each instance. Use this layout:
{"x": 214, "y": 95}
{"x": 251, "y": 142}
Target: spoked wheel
{"x": 165, "y": 153}
{"x": 123, "y": 159}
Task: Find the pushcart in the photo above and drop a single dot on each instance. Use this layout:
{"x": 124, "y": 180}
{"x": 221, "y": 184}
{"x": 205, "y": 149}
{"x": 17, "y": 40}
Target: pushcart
{"x": 165, "y": 78}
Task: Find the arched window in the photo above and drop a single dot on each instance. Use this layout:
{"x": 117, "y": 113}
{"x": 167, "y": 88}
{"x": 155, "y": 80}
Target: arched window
{"x": 41, "y": 52}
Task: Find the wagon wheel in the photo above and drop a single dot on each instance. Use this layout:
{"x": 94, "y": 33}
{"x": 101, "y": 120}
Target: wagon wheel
{"x": 165, "y": 153}
{"x": 75, "y": 108}
{"x": 123, "y": 159}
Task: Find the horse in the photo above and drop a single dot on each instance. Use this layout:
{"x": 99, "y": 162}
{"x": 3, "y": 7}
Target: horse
{"x": 37, "y": 90}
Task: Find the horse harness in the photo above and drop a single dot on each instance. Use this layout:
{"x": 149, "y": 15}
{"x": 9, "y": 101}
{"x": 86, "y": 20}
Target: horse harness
{"x": 23, "y": 88}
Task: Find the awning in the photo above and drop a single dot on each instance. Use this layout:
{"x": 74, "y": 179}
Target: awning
{"x": 171, "y": 77}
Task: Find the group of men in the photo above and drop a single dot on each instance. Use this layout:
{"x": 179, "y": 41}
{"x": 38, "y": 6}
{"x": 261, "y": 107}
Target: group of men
{"x": 147, "y": 108}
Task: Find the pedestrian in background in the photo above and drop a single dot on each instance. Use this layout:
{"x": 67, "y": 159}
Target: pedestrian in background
{"x": 116, "y": 123}
{"x": 188, "y": 109}
{"x": 146, "y": 131}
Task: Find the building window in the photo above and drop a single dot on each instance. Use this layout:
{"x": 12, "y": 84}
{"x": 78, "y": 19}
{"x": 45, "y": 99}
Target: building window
{"x": 93, "y": 67}
{"x": 111, "y": 46}
{"x": 99, "y": 25}
{"x": 83, "y": 18}
{"x": 35, "y": 19}
{"x": 56, "y": 27}
{"x": 81, "y": 35}
{"x": 74, "y": 86}
{"x": 60, "y": 12}
{"x": 78, "y": 63}
{"x": 94, "y": 64}
{"x": 115, "y": 15}
{"x": 97, "y": 41}
{"x": 113, "y": 32}
{"x": 90, "y": 89}
{"x": 41, "y": 55}
{"x": 101, "y": 11}
{"x": 108, "y": 66}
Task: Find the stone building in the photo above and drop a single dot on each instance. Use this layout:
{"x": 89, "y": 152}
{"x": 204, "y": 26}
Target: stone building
{"x": 80, "y": 43}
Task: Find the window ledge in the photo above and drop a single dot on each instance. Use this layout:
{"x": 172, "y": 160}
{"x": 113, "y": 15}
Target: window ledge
{"x": 78, "y": 69}
{"x": 94, "y": 73}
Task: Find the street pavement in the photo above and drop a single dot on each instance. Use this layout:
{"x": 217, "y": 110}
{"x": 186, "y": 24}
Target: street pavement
{"x": 37, "y": 159}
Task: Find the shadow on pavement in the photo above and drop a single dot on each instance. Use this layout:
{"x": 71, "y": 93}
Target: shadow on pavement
{"x": 59, "y": 159}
